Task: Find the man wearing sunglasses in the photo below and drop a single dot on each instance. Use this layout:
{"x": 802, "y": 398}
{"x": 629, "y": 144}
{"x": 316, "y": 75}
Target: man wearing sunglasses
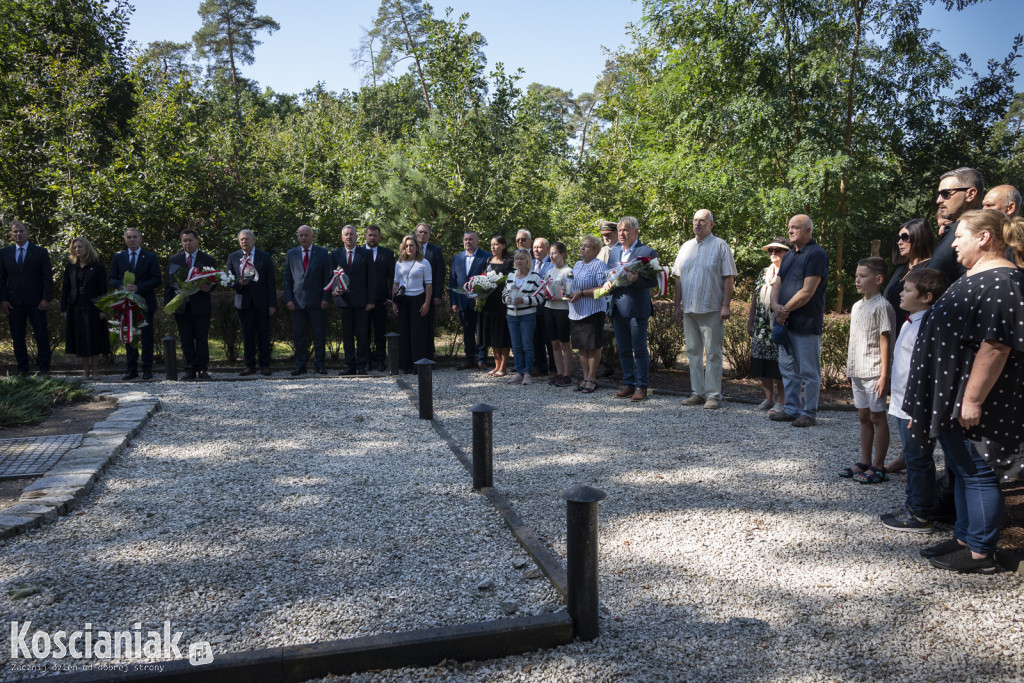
{"x": 960, "y": 191}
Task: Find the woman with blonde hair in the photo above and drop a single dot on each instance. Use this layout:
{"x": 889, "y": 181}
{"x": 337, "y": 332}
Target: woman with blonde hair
{"x": 410, "y": 296}
{"x": 85, "y": 280}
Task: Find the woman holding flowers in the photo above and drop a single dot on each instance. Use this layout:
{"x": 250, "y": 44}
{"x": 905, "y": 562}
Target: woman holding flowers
{"x": 85, "y": 280}
{"x": 493, "y": 327}
{"x": 523, "y": 291}
{"x": 556, "y": 317}
{"x": 411, "y": 295}
{"x": 586, "y": 312}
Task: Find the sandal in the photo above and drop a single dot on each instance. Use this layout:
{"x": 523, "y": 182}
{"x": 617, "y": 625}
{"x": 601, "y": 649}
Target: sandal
{"x": 588, "y": 390}
{"x": 848, "y": 472}
{"x": 876, "y": 475}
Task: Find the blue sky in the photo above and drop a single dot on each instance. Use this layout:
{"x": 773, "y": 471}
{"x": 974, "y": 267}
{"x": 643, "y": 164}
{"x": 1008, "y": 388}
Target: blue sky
{"x": 556, "y": 42}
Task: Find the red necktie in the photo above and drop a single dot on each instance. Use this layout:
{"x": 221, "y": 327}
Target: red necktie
{"x": 188, "y": 262}
{"x": 305, "y": 259}
{"x": 350, "y": 259}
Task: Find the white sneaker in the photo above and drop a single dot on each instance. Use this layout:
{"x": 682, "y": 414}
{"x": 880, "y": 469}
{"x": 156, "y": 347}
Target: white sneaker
{"x": 527, "y": 379}
{"x": 514, "y": 379}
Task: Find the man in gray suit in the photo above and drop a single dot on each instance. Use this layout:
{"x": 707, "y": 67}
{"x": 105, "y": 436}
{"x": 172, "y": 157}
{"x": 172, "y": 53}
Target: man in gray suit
{"x": 26, "y": 289}
{"x": 307, "y": 270}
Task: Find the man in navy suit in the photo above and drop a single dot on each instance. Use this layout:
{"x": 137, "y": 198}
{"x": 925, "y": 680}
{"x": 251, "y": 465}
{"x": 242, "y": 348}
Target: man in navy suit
{"x": 631, "y": 311}
{"x": 384, "y": 264}
{"x": 465, "y": 265}
{"x": 26, "y": 289}
{"x": 355, "y": 304}
{"x": 255, "y": 300}
{"x": 192, "y": 317}
{"x": 435, "y": 257}
{"x": 146, "y": 268}
{"x": 307, "y": 270}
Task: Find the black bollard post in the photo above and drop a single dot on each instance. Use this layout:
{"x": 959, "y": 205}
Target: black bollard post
{"x": 392, "y": 338}
{"x": 581, "y": 558}
{"x": 425, "y": 372}
{"x": 170, "y": 358}
{"x": 483, "y": 446}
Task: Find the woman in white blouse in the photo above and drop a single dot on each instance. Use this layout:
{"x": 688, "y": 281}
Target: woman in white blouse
{"x": 556, "y": 317}
{"x": 521, "y": 296}
{"x": 411, "y": 294}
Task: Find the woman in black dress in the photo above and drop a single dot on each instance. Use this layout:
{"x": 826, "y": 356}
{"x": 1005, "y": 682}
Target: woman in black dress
{"x": 913, "y": 249}
{"x": 966, "y": 384}
{"x": 492, "y": 326}
{"x": 85, "y": 280}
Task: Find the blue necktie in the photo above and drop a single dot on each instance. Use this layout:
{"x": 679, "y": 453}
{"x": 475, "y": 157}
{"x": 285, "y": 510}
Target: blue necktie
{"x": 131, "y": 263}
{"x": 21, "y": 255}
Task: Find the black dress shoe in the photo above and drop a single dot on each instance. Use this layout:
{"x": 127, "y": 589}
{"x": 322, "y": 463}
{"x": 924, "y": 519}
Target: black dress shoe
{"x": 189, "y": 375}
{"x": 131, "y": 374}
{"x": 361, "y": 372}
{"x": 203, "y": 374}
{"x": 298, "y": 371}
{"x": 147, "y": 374}
{"x": 347, "y": 371}
{"x": 321, "y": 371}
{"x": 247, "y": 372}
{"x": 266, "y": 372}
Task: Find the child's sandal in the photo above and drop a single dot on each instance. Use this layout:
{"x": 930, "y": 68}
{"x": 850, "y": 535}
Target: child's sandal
{"x": 848, "y": 472}
{"x": 875, "y": 475}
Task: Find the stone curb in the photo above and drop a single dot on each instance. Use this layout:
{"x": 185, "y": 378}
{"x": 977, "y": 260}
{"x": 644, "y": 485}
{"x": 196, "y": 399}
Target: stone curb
{"x": 71, "y": 479}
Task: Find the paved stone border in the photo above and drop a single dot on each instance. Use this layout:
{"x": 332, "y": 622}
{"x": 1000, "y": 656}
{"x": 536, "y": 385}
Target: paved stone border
{"x": 73, "y": 476}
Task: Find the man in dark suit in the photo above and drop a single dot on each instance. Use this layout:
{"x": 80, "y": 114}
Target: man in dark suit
{"x": 631, "y": 311}
{"x": 255, "y": 300}
{"x": 146, "y": 268}
{"x": 355, "y": 304}
{"x": 465, "y": 265}
{"x": 384, "y": 265}
{"x": 307, "y": 270}
{"x": 192, "y": 317}
{"x": 26, "y": 289}
{"x": 433, "y": 255}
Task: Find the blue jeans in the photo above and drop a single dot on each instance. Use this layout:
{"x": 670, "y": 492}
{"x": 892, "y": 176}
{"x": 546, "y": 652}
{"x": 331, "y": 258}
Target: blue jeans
{"x": 979, "y": 502}
{"x": 631, "y": 337}
{"x": 920, "y": 472}
{"x": 521, "y": 328}
{"x": 800, "y": 366}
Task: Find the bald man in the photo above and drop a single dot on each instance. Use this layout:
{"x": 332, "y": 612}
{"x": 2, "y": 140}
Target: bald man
{"x": 1005, "y": 198}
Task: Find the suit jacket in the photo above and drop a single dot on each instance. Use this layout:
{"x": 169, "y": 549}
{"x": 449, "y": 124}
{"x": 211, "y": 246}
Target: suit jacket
{"x": 433, "y": 254}
{"x": 305, "y": 287}
{"x": 460, "y": 275}
{"x": 260, "y": 293}
{"x": 147, "y": 274}
{"x": 29, "y": 283}
{"x": 385, "y": 268}
{"x": 93, "y": 287}
{"x": 633, "y": 301}
{"x": 198, "y": 303}
{"x": 362, "y": 277}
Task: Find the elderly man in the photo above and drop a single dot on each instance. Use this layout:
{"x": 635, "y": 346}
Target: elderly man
{"x": 631, "y": 311}
{"x": 524, "y": 240}
{"x": 960, "y": 191}
{"x": 26, "y": 290}
{"x": 255, "y": 300}
{"x": 192, "y": 318}
{"x": 433, "y": 255}
{"x": 798, "y": 300}
{"x": 466, "y": 264}
{"x": 355, "y": 303}
{"x": 1003, "y": 198}
{"x": 307, "y": 270}
{"x": 384, "y": 264}
{"x": 705, "y": 273}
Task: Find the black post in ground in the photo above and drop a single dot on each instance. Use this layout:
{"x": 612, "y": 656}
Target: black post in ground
{"x": 483, "y": 446}
{"x": 392, "y": 342}
{"x": 581, "y": 558}
{"x": 170, "y": 358}
{"x": 425, "y": 372}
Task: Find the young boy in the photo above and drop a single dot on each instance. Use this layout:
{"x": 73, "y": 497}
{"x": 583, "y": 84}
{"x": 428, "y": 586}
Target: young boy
{"x": 921, "y": 288}
{"x": 872, "y": 321}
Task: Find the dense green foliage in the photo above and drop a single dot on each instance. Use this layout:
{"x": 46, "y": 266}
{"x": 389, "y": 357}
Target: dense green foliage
{"x": 756, "y": 109}
{"x": 29, "y": 400}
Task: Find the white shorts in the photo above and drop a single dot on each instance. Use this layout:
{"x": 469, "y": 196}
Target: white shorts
{"x": 864, "y": 394}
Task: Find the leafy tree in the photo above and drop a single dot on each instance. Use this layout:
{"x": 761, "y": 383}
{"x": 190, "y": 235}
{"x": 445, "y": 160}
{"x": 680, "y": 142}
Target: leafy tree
{"x": 400, "y": 32}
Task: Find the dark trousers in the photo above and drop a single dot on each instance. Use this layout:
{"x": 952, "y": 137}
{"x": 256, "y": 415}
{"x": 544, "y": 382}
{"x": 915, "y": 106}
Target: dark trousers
{"x": 20, "y": 316}
{"x": 431, "y": 333}
{"x": 131, "y": 353}
{"x": 194, "y": 333}
{"x": 310, "y": 319}
{"x": 378, "y": 324}
{"x": 543, "y": 354}
{"x": 412, "y": 331}
{"x": 355, "y": 335}
{"x": 469, "y": 318}
{"x": 255, "y": 324}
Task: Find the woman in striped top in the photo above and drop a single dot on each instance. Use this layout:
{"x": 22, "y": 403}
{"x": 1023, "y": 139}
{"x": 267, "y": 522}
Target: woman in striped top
{"x": 521, "y": 297}
{"x": 586, "y": 314}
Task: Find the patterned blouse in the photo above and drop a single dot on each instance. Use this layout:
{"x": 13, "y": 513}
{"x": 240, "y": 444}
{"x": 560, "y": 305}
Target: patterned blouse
{"x": 761, "y": 346}
{"x": 588, "y": 275}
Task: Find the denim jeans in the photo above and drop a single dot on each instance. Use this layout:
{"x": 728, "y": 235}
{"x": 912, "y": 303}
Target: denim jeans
{"x": 521, "y": 328}
{"x": 631, "y": 337}
{"x": 801, "y": 373}
{"x": 920, "y": 472}
{"x": 979, "y": 502}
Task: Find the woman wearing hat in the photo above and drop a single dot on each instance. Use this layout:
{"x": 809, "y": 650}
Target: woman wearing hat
{"x": 764, "y": 354}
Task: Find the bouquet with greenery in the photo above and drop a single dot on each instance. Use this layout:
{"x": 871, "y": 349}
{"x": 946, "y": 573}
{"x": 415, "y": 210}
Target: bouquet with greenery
{"x": 644, "y": 266}
{"x": 126, "y": 311}
{"x": 187, "y": 284}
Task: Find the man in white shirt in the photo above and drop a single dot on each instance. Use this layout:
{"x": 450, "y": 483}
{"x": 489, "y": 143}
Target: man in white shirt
{"x": 705, "y": 273}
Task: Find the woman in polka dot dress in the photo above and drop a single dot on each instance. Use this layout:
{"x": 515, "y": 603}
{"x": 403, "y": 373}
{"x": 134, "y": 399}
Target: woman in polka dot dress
{"x": 966, "y": 384}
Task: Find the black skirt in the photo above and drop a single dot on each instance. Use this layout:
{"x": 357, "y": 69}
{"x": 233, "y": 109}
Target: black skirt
{"x": 588, "y": 333}
{"x": 768, "y": 369}
{"x": 557, "y": 323}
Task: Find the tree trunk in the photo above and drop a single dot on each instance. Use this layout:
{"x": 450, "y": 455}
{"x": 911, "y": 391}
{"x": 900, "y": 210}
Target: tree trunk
{"x": 416, "y": 58}
{"x": 844, "y": 188}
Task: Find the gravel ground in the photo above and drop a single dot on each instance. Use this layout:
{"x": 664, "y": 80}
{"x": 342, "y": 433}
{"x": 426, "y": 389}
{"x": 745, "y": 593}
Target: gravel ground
{"x": 249, "y": 529}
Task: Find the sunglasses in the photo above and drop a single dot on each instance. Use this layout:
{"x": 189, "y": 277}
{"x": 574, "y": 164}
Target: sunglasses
{"x": 777, "y": 250}
{"x": 946, "y": 194}
{"x": 905, "y": 237}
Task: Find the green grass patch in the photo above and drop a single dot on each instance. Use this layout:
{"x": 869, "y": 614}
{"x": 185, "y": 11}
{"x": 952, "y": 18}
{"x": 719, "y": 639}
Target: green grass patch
{"x": 30, "y": 400}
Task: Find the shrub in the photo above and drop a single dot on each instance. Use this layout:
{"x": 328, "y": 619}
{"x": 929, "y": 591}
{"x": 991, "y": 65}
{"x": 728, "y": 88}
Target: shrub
{"x": 29, "y": 400}
{"x": 664, "y": 334}
{"x": 736, "y": 340}
{"x": 834, "y": 340}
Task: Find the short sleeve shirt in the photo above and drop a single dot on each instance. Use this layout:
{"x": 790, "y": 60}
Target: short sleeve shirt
{"x": 868, "y": 320}
{"x": 808, "y": 261}
{"x": 700, "y": 267}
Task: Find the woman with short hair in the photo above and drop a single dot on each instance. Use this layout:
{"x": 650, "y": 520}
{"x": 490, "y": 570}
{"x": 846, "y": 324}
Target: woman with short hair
{"x": 586, "y": 313}
{"x": 85, "y": 280}
{"x": 523, "y": 292}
